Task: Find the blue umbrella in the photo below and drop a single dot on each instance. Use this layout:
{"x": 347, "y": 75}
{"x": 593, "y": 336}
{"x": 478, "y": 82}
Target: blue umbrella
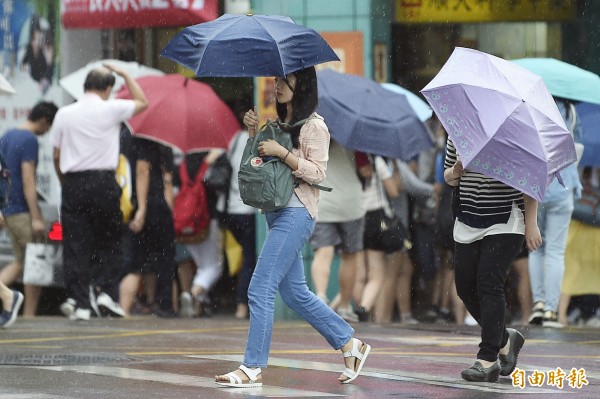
{"x": 248, "y": 46}
{"x": 564, "y": 80}
{"x": 364, "y": 116}
{"x": 422, "y": 109}
{"x": 589, "y": 117}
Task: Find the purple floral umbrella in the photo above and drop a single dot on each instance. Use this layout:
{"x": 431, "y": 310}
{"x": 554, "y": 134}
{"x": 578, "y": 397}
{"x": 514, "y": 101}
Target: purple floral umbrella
{"x": 502, "y": 119}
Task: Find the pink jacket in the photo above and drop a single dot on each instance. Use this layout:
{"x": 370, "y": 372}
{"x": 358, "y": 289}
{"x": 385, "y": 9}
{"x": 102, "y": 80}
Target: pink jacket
{"x": 313, "y": 155}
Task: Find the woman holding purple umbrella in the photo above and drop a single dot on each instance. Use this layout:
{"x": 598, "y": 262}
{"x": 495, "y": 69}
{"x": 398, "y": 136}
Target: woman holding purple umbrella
{"x": 492, "y": 221}
{"x": 280, "y": 266}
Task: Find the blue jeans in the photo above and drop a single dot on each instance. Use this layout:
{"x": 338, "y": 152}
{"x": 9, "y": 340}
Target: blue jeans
{"x": 547, "y": 263}
{"x": 280, "y": 267}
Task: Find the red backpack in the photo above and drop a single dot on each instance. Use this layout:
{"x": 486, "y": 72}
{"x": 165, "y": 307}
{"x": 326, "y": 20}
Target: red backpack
{"x": 190, "y": 212}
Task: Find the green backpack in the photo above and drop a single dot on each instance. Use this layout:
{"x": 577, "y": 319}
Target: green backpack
{"x": 267, "y": 182}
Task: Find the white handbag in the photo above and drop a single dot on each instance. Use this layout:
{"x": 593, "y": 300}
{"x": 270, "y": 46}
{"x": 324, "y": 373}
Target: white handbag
{"x": 43, "y": 264}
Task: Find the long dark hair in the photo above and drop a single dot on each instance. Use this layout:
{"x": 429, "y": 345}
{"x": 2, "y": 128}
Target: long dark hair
{"x": 304, "y": 102}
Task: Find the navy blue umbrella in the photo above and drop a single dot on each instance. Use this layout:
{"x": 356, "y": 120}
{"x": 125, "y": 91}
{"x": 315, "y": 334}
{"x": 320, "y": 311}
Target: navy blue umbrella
{"x": 589, "y": 116}
{"x": 363, "y": 115}
{"x": 248, "y": 46}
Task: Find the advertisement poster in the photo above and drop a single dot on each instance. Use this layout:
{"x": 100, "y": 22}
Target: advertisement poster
{"x": 29, "y": 37}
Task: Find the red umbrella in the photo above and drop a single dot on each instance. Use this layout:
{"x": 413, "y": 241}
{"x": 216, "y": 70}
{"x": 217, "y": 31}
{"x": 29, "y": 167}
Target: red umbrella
{"x": 184, "y": 113}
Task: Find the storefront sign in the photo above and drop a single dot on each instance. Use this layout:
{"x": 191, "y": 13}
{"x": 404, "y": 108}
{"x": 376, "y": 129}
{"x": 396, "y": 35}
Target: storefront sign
{"x": 460, "y": 11}
{"x": 119, "y": 14}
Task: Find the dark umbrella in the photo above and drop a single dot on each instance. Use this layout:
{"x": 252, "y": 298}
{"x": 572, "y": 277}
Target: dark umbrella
{"x": 363, "y": 115}
{"x": 248, "y": 46}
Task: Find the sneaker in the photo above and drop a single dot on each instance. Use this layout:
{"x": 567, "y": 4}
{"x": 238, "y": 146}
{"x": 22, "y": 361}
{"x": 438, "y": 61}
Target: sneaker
{"x": 81, "y": 314}
{"x": 186, "y": 305}
{"x": 537, "y": 313}
{"x": 68, "y": 307}
{"x": 470, "y": 320}
{"x": 164, "y": 313}
{"x": 478, "y": 373}
{"x": 551, "y": 320}
{"x": 108, "y": 306}
{"x": 592, "y": 322}
{"x": 362, "y": 313}
{"x": 348, "y": 314}
{"x": 93, "y": 301}
{"x": 8, "y": 317}
{"x": 409, "y": 320}
{"x": 508, "y": 362}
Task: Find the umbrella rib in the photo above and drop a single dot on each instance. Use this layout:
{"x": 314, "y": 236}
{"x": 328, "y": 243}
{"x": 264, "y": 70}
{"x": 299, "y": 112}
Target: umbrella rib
{"x": 274, "y": 41}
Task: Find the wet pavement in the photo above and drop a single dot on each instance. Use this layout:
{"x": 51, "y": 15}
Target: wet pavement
{"x": 50, "y": 357}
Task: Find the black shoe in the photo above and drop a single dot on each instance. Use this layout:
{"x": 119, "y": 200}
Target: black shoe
{"x": 508, "y": 362}
{"x": 478, "y": 373}
{"x": 537, "y": 313}
{"x": 362, "y": 313}
{"x": 164, "y": 313}
{"x": 551, "y": 320}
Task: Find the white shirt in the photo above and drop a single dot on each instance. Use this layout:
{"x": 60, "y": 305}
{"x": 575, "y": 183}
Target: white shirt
{"x": 345, "y": 202}
{"x": 374, "y": 196}
{"x": 87, "y": 133}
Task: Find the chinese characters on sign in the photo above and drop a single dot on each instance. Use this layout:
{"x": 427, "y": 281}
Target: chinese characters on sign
{"x": 431, "y": 11}
{"x": 556, "y": 378}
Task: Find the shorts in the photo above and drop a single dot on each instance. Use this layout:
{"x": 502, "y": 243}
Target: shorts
{"x": 523, "y": 253}
{"x": 345, "y": 236}
{"x": 393, "y": 239}
{"x": 20, "y": 233}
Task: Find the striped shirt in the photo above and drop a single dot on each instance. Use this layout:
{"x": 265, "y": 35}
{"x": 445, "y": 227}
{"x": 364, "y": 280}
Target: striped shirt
{"x": 484, "y": 202}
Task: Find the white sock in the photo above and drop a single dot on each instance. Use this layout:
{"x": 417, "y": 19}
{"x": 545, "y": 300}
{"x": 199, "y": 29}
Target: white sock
{"x": 486, "y": 364}
{"x": 505, "y": 349}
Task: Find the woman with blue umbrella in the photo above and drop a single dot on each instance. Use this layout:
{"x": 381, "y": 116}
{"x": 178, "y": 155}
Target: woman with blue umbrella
{"x": 280, "y": 266}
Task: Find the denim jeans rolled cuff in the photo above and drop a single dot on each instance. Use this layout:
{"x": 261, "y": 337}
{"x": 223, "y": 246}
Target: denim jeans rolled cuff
{"x": 280, "y": 268}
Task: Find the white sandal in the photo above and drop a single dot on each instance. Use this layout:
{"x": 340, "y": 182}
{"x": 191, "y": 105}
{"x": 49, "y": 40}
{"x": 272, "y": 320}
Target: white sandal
{"x": 236, "y": 382}
{"x": 360, "y": 356}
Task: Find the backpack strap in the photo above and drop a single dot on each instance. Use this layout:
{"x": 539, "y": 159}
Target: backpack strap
{"x": 183, "y": 173}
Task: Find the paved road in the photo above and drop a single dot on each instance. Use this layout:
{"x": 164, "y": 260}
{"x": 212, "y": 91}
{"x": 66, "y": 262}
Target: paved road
{"x": 51, "y": 358}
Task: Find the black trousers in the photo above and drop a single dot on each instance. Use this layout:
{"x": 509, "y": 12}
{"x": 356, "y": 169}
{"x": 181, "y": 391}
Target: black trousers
{"x": 92, "y": 223}
{"x": 243, "y": 228}
{"x": 153, "y": 250}
{"x": 481, "y": 268}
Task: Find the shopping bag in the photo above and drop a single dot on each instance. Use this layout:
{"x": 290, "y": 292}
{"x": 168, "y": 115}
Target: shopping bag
{"x": 233, "y": 252}
{"x": 43, "y": 264}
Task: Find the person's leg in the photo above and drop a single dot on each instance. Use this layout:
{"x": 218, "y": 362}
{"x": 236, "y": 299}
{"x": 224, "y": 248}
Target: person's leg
{"x": 77, "y": 238}
{"x": 128, "y": 289}
{"x": 320, "y": 270}
{"x": 404, "y": 289}
{"x": 347, "y": 276}
{"x": 537, "y": 268}
{"x": 384, "y": 305}
{"x": 557, "y": 221}
{"x": 243, "y": 228}
{"x": 375, "y": 278}
{"x": 289, "y": 230}
{"x": 520, "y": 266}
{"x": 20, "y": 232}
{"x": 497, "y": 254}
{"x": 32, "y": 299}
{"x": 107, "y": 229}
{"x": 161, "y": 235}
{"x": 209, "y": 259}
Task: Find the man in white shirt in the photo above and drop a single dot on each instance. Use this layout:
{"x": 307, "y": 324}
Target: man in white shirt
{"x": 85, "y": 137}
